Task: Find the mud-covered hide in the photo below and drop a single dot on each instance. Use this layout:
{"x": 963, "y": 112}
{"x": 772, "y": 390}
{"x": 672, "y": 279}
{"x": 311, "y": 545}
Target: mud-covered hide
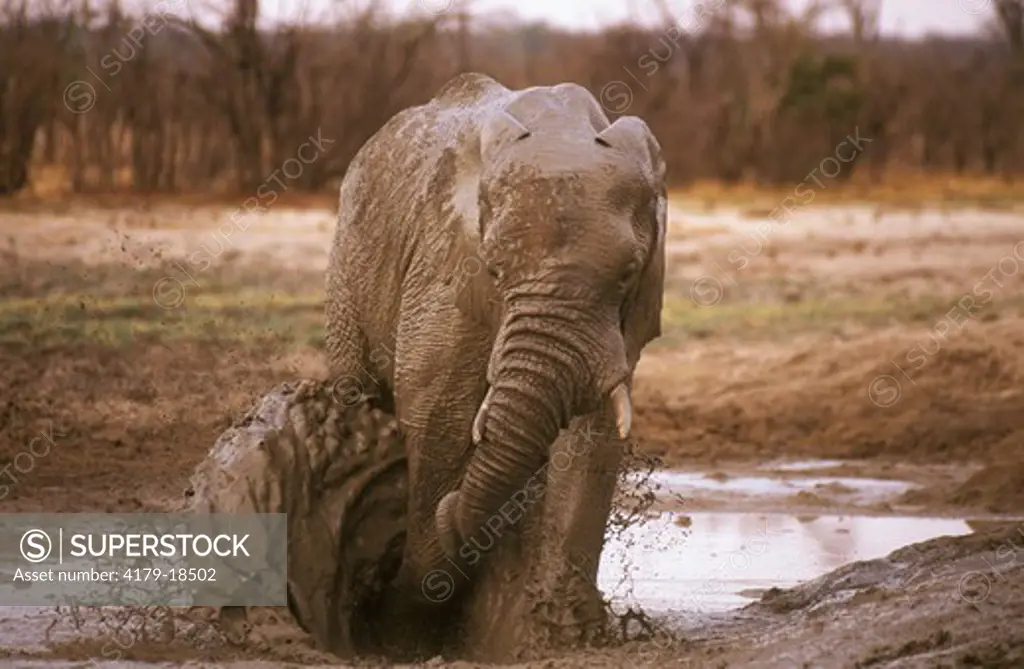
{"x": 340, "y": 475}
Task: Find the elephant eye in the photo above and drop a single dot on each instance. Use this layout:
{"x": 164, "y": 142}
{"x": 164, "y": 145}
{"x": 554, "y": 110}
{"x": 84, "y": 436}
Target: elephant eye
{"x": 629, "y": 272}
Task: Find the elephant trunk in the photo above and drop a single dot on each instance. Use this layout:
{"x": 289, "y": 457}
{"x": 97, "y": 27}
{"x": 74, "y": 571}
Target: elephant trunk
{"x": 543, "y": 378}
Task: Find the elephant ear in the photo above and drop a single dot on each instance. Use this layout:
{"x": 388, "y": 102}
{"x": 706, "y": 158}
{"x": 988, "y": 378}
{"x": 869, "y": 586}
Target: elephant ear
{"x": 642, "y": 318}
{"x": 476, "y": 296}
{"x": 497, "y": 132}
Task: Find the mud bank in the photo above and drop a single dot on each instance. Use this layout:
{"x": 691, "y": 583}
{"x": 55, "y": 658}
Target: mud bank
{"x": 945, "y": 602}
{"x": 844, "y": 397}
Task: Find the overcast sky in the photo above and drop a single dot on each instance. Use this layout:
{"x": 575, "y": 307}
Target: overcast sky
{"x": 906, "y": 17}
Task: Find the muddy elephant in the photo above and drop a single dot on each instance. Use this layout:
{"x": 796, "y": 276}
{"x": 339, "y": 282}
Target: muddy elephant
{"x": 497, "y": 268}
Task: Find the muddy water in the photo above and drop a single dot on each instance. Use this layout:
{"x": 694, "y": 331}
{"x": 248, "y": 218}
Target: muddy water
{"x": 857, "y": 489}
{"x": 774, "y": 487}
{"x": 699, "y": 563}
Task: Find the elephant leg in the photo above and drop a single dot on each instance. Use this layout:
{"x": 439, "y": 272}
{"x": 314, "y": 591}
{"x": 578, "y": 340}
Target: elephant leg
{"x": 441, "y": 364}
{"x": 439, "y": 382}
{"x": 353, "y": 373}
{"x": 440, "y": 371}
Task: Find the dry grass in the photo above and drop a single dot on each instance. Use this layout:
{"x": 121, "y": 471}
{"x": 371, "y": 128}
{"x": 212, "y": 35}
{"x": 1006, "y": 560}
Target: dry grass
{"x": 50, "y": 190}
{"x": 894, "y": 190}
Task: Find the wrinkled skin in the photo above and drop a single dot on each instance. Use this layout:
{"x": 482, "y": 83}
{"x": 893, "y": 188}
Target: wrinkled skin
{"x": 496, "y": 270}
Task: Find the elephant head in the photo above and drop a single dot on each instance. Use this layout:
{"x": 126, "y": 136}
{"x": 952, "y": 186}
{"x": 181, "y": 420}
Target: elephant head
{"x": 567, "y": 214}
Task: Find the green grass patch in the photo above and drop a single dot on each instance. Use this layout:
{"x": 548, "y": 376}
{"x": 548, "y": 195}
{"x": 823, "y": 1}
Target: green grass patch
{"x": 683, "y": 320}
{"x": 239, "y": 316}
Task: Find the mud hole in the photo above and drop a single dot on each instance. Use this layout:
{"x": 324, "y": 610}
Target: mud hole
{"x": 826, "y": 346}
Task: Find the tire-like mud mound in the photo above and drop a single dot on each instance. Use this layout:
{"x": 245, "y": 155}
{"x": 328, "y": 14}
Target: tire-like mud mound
{"x": 339, "y": 473}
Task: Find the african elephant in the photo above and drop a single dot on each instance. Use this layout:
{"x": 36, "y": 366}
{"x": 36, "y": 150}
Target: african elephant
{"x": 497, "y": 268}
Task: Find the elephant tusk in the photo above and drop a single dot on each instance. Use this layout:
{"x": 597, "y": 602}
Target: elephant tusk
{"x": 444, "y": 520}
{"x": 623, "y": 409}
{"x": 481, "y": 417}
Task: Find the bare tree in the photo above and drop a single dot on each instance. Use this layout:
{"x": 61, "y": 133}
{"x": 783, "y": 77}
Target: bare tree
{"x": 32, "y": 35}
{"x": 863, "y": 16}
{"x": 1010, "y": 15}
{"x": 740, "y": 89}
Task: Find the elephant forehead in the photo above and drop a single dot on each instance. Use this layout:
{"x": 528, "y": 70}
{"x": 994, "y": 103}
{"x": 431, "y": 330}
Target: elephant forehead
{"x": 531, "y": 190}
{"x": 548, "y": 226}
{"x": 538, "y": 191}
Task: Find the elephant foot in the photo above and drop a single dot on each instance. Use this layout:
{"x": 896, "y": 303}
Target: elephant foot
{"x": 447, "y": 530}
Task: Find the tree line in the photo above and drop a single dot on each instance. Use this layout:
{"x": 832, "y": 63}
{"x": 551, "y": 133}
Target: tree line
{"x": 734, "y": 89}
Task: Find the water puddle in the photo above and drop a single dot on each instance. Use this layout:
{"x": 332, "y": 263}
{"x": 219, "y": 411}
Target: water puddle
{"x": 850, "y": 489}
{"x": 699, "y": 563}
{"x": 801, "y": 465}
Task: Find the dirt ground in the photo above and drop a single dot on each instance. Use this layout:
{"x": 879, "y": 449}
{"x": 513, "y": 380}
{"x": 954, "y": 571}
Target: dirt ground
{"x": 891, "y": 339}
